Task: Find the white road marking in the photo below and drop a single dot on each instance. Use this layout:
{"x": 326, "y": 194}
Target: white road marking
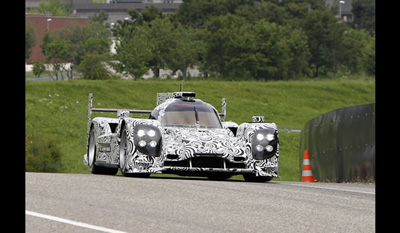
{"x": 79, "y": 224}
{"x": 336, "y": 189}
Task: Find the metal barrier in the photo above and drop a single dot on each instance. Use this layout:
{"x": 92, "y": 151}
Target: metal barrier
{"x": 341, "y": 144}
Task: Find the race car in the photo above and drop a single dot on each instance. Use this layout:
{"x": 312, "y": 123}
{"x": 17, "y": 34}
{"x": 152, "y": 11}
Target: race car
{"x": 184, "y": 136}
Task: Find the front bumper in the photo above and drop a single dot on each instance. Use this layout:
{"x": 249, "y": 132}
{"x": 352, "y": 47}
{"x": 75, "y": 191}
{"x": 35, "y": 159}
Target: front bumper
{"x": 219, "y": 164}
{"x": 201, "y": 170}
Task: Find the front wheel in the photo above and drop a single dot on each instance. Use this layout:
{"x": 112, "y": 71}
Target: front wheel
{"x": 122, "y": 152}
{"x": 92, "y": 153}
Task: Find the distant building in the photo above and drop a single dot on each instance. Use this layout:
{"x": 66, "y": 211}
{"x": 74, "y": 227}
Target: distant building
{"x": 53, "y": 23}
{"x": 344, "y": 8}
{"x": 116, "y": 10}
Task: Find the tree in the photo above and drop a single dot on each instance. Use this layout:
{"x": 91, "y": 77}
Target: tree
{"x": 353, "y": 48}
{"x": 97, "y": 45}
{"x": 136, "y": 17}
{"x": 95, "y": 58}
{"x": 133, "y": 53}
{"x": 30, "y": 38}
{"x": 45, "y": 40}
{"x": 143, "y": 42}
{"x": 54, "y": 7}
{"x": 266, "y": 10}
{"x": 368, "y": 58}
{"x": 187, "y": 51}
{"x": 299, "y": 53}
{"x": 196, "y": 13}
{"x": 136, "y": 20}
{"x": 227, "y": 46}
{"x": 364, "y": 15}
{"x": 57, "y": 53}
{"x": 273, "y": 51}
{"x": 151, "y": 13}
{"x": 73, "y": 44}
{"x": 161, "y": 37}
{"x": 92, "y": 66}
{"x": 236, "y": 49}
{"x": 324, "y": 40}
{"x": 38, "y": 69}
{"x": 78, "y": 37}
{"x": 99, "y": 18}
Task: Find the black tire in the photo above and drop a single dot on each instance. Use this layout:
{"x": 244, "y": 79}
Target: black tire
{"x": 137, "y": 175}
{"x": 122, "y": 152}
{"x": 92, "y": 153}
{"x": 254, "y": 178}
{"x": 219, "y": 176}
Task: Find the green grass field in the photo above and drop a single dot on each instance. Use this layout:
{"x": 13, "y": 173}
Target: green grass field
{"x": 57, "y": 110}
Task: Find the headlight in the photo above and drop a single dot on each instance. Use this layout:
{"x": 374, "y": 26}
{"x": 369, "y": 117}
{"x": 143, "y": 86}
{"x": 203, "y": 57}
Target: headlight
{"x": 151, "y": 133}
{"x": 269, "y": 148}
{"x": 259, "y": 148}
{"x": 153, "y": 144}
{"x": 264, "y": 143}
{"x": 147, "y": 139}
{"x": 270, "y": 137}
{"x": 142, "y": 143}
{"x": 141, "y": 133}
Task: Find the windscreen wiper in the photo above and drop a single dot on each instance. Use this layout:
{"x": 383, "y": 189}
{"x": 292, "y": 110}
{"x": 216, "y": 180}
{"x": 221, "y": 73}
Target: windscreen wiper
{"x": 196, "y": 114}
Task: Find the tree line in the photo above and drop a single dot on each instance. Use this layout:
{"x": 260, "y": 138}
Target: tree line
{"x": 230, "y": 39}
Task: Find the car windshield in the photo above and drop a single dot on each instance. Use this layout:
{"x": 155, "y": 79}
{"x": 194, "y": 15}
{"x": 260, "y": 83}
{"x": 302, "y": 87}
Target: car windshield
{"x": 184, "y": 115}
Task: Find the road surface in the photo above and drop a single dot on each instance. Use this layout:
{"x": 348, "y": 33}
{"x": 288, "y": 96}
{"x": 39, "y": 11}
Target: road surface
{"x": 96, "y": 203}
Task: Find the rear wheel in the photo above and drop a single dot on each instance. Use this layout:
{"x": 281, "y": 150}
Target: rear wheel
{"x": 92, "y": 154}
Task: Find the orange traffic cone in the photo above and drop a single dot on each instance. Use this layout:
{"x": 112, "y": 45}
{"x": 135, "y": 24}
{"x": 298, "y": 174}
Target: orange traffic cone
{"x": 306, "y": 175}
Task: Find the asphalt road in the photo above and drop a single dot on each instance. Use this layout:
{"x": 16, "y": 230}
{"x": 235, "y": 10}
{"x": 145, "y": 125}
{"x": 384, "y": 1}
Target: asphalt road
{"x": 95, "y": 203}
{"x": 48, "y": 78}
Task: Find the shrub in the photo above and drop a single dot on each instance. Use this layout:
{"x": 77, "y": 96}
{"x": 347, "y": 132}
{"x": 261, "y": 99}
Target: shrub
{"x": 38, "y": 69}
{"x": 43, "y": 155}
{"x": 92, "y": 66}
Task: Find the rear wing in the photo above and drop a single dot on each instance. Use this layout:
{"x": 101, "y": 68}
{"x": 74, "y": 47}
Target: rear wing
{"x": 91, "y": 109}
{"x": 120, "y": 112}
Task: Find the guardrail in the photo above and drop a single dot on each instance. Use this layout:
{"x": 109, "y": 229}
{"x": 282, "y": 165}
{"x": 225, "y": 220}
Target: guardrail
{"x": 290, "y": 130}
{"x": 341, "y": 144}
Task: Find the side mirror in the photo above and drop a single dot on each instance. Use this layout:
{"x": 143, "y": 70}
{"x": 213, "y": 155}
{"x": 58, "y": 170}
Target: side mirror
{"x": 231, "y": 125}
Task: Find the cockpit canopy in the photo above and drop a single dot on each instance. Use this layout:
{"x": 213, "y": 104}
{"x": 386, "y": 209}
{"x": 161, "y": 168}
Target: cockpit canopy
{"x": 191, "y": 113}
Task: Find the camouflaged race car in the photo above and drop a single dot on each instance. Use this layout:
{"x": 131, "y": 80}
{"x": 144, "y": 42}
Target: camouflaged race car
{"x": 183, "y": 136}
